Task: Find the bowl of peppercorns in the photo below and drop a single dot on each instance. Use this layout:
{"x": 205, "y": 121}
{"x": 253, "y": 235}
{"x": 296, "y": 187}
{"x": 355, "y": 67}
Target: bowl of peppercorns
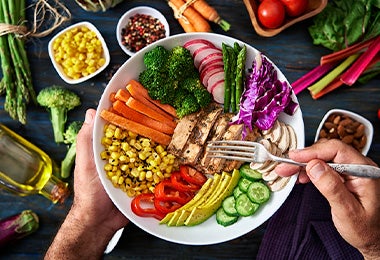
{"x": 139, "y": 27}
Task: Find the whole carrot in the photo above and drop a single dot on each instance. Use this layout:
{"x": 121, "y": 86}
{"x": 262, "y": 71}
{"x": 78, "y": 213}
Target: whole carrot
{"x": 209, "y": 13}
{"x": 199, "y": 23}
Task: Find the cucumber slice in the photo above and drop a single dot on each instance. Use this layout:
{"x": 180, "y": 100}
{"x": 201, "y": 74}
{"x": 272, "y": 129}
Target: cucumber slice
{"x": 258, "y": 192}
{"x": 244, "y": 184}
{"x": 237, "y": 192}
{"x": 247, "y": 172}
{"x": 222, "y": 218}
{"x": 228, "y": 205}
{"x": 244, "y": 206}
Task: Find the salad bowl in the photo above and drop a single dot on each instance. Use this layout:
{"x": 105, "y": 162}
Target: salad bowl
{"x": 208, "y": 232}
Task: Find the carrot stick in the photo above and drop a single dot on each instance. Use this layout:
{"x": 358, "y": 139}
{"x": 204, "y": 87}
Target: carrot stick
{"x": 137, "y": 90}
{"x": 198, "y": 21}
{"x": 135, "y": 127}
{"x": 112, "y": 97}
{"x": 148, "y": 111}
{"x": 122, "y": 95}
{"x": 122, "y": 109}
{"x": 209, "y": 13}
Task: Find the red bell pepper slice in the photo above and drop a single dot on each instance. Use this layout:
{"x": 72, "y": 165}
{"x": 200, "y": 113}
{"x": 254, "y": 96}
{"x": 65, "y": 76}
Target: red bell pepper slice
{"x": 166, "y": 206}
{"x": 181, "y": 184}
{"x": 191, "y": 175}
{"x": 143, "y": 205}
{"x": 168, "y": 192}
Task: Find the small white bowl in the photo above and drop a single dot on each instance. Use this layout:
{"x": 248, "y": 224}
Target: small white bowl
{"x": 58, "y": 67}
{"x": 368, "y": 128}
{"x": 138, "y": 10}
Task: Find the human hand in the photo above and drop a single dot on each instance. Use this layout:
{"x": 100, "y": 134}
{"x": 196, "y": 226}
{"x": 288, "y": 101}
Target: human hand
{"x": 355, "y": 202}
{"x": 91, "y": 206}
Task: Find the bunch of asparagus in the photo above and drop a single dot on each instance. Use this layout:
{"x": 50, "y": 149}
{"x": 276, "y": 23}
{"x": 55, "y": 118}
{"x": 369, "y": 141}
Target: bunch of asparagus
{"x": 16, "y": 82}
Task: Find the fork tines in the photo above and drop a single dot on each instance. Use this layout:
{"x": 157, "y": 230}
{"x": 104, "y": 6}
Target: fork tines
{"x": 232, "y": 150}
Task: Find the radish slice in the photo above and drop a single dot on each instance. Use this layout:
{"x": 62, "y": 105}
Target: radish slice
{"x": 218, "y": 92}
{"x": 219, "y": 76}
{"x": 202, "y": 53}
{"x": 208, "y": 72}
{"x": 215, "y": 58}
{"x": 193, "y": 45}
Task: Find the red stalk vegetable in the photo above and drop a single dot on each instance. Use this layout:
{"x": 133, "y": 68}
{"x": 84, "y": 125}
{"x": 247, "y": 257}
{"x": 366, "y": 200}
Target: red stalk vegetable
{"x": 17, "y": 226}
{"x": 354, "y": 72}
{"x": 344, "y": 53}
{"x": 336, "y": 83}
{"x": 310, "y": 77}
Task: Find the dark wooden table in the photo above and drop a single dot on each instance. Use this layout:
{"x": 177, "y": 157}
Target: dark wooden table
{"x": 292, "y": 51}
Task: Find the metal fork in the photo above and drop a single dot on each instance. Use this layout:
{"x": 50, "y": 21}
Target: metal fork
{"x": 255, "y": 152}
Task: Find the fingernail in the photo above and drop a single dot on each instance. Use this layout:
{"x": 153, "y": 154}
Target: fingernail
{"x": 88, "y": 117}
{"x": 317, "y": 170}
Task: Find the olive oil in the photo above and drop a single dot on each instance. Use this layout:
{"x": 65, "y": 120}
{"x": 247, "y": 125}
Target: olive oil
{"x": 25, "y": 169}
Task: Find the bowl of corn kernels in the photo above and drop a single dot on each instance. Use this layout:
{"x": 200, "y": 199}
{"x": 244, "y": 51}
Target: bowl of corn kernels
{"x": 79, "y": 52}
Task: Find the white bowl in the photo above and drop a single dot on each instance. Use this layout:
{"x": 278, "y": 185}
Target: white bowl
{"x": 368, "y": 128}
{"x": 138, "y": 10}
{"x": 208, "y": 232}
{"x": 58, "y": 67}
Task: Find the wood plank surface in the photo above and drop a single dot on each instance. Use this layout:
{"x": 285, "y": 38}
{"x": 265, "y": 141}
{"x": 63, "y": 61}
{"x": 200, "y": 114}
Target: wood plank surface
{"x": 292, "y": 51}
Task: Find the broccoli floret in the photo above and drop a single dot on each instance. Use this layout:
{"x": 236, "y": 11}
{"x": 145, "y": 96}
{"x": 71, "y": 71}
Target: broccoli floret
{"x": 194, "y": 85}
{"x": 58, "y": 101}
{"x": 189, "y": 105}
{"x": 180, "y": 63}
{"x": 179, "y": 97}
{"x": 156, "y": 58}
{"x": 70, "y": 139}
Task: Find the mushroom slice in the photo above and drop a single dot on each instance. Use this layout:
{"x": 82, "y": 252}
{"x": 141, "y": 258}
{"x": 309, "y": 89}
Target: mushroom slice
{"x": 283, "y": 143}
{"x": 293, "y": 138}
{"x": 274, "y": 134}
{"x": 278, "y": 183}
{"x": 270, "y": 176}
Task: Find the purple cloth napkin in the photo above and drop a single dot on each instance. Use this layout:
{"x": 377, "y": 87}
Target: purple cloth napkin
{"x": 302, "y": 229}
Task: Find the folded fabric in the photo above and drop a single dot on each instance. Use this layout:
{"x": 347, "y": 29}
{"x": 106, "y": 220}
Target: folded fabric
{"x": 303, "y": 229}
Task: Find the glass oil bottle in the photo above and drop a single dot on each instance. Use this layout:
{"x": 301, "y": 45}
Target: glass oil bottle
{"x": 25, "y": 169}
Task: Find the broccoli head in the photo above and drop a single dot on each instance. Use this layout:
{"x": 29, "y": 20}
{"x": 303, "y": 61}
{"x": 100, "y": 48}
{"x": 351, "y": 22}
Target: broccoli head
{"x": 156, "y": 58}
{"x": 180, "y": 63}
{"x": 70, "y": 139}
{"x": 189, "y": 105}
{"x": 194, "y": 85}
{"x": 58, "y": 101}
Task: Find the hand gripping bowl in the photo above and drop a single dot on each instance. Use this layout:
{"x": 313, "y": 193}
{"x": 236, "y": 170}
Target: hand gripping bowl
{"x": 209, "y": 232}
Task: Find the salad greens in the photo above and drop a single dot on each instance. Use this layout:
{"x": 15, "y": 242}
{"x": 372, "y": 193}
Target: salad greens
{"x": 345, "y": 22}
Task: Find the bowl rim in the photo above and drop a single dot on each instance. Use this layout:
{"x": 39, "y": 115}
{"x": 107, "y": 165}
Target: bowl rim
{"x": 139, "y": 9}
{"x": 368, "y": 125}
{"x": 58, "y": 67}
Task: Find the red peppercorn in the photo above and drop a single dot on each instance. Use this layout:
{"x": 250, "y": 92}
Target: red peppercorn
{"x": 140, "y": 31}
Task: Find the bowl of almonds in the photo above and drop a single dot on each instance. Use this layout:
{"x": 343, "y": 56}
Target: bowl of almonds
{"x": 347, "y": 126}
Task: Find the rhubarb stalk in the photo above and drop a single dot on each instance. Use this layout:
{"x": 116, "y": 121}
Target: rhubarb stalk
{"x": 354, "y": 72}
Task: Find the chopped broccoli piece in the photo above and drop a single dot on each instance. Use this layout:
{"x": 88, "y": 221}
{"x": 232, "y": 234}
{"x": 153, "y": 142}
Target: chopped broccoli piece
{"x": 156, "y": 58}
{"x": 58, "y": 101}
{"x": 180, "y": 63}
{"x": 194, "y": 86}
{"x": 189, "y": 105}
{"x": 70, "y": 139}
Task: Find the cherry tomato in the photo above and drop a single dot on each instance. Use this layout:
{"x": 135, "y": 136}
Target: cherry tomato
{"x": 271, "y": 13}
{"x": 192, "y": 175}
{"x": 295, "y": 7}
